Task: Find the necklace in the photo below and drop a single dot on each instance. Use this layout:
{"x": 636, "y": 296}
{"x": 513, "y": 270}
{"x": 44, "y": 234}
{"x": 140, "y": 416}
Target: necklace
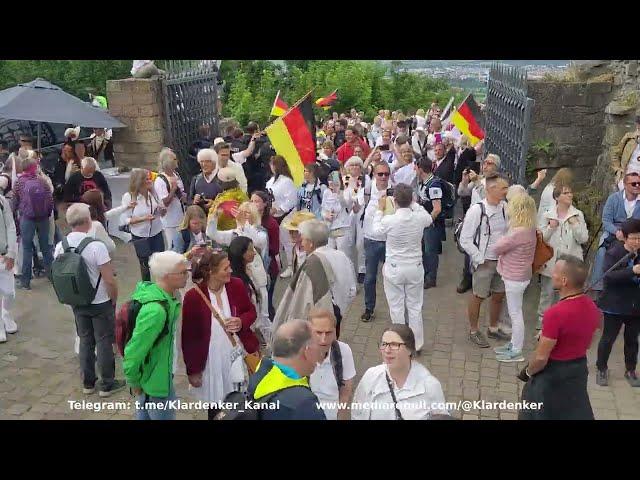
{"x": 574, "y": 295}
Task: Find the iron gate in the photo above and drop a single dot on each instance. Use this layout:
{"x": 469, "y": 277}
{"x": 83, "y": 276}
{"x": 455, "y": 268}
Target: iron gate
{"x": 190, "y": 100}
{"x": 507, "y": 119}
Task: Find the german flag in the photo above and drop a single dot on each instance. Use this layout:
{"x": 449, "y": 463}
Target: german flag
{"x": 279, "y": 106}
{"x": 326, "y": 102}
{"x": 293, "y": 136}
{"x": 466, "y": 118}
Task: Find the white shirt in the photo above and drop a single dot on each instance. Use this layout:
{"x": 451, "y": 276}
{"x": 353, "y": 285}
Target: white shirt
{"x": 285, "y": 193}
{"x": 478, "y": 191}
{"x": 323, "y": 380}
{"x": 405, "y": 174}
{"x": 629, "y": 206}
{"x": 344, "y": 284}
{"x": 420, "y": 395}
{"x": 99, "y": 233}
{"x": 95, "y": 255}
{"x": 142, "y": 208}
{"x": 369, "y": 213}
{"x": 497, "y": 223}
{"x": 331, "y": 204}
{"x": 175, "y": 210}
{"x": 547, "y": 202}
{"x": 403, "y": 232}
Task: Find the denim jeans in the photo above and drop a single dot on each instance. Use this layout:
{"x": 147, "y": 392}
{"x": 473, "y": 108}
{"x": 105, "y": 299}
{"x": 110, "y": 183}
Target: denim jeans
{"x": 28, "y": 229}
{"x": 432, "y": 240}
{"x": 95, "y": 325}
{"x": 155, "y": 408}
{"x": 374, "y": 252}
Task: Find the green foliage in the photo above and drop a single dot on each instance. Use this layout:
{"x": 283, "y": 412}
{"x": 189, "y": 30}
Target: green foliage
{"x": 251, "y": 86}
{"x": 73, "y": 76}
{"x": 545, "y": 146}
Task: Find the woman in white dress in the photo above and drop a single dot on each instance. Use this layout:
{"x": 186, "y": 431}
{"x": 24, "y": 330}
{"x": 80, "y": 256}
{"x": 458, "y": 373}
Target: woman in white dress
{"x": 285, "y": 195}
{"x": 217, "y": 309}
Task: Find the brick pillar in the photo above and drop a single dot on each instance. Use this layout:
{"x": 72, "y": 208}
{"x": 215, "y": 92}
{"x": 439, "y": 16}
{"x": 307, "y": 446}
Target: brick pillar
{"x": 138, "y": 103}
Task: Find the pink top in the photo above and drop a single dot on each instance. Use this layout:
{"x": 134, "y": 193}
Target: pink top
{"x": 515, "y": 254}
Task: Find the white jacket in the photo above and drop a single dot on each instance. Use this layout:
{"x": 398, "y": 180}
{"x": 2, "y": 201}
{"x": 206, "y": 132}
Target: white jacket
{"x": 566, "y": 239}
{"x": 420, "y": 395}
{"x": 498, "y": 223}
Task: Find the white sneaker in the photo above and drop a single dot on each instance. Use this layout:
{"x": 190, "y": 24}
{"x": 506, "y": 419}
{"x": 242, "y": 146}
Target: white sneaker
{"x": 10, "y": 325}
{"x": 287, "y": 273}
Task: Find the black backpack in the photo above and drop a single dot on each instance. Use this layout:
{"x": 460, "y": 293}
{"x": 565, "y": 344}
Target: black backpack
{"x": 336, "y": 363}
{"x": 448, "y": 195}
{"x": 457, "y": 229}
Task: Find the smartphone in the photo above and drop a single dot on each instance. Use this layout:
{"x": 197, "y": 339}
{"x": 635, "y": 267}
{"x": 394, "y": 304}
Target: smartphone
{"x": 383, "y": 148}
{"x": 389, "y": 192}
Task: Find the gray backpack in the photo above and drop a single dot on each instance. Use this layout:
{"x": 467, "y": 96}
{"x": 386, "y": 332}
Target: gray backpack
{"x": 70, "y": 277}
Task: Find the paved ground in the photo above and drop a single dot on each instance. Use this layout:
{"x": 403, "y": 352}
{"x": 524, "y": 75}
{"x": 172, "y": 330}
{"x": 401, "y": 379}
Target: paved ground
{"x": 39, "y": 372}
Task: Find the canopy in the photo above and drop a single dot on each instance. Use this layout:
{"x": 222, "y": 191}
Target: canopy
{"x": 42, "y": 101}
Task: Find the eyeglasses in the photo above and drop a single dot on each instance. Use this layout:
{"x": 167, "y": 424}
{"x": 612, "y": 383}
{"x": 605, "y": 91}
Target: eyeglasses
{"x": 634, "y": 184}
{"x": 183, "y": 272}
{"x": 383, "y": 174}
{"x": 393, "y": 346}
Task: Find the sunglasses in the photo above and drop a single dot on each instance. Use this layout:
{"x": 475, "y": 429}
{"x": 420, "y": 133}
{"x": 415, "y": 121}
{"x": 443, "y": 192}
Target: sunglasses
{"x": 383, "y": 174}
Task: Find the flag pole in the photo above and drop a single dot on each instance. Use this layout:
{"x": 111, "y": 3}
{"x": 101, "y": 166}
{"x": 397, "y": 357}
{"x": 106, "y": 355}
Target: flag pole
{"x": 292, "y": 107}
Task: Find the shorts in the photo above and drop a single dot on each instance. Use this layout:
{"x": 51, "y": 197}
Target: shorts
{"x": 487, "y": 280}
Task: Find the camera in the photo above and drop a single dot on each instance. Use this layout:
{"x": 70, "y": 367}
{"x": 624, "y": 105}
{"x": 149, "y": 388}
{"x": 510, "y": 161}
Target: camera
{"x": 383, "y": 148}
{"x": 390, "y": 192}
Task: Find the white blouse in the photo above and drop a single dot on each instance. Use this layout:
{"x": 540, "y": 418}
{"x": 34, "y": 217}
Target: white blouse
{"x": 338, "y": 204}
{"x": 143, "y": 207}
{"x": 99, "y": 233}
{"x": 285, "y": 194}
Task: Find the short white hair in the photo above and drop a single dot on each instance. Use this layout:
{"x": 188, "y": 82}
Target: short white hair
{"x": 89, "y": 162}
{"x": 514, "y": 190}
{"x": 315, "y": 231}
{"x": 208, "y": 154}
{"x": 78, "y": 214}
{"x": 163, "y": 263}
{"x": 167, "y": 159}
{"x": 495, "y": 158}
{"x": 354, "y": 161}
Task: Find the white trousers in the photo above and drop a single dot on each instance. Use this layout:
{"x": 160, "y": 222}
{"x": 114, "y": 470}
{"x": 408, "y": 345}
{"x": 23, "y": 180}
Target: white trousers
{"x": 514, "y": 293}
{"x": 403, "y": 287}
{"x": 169, "y": 233}
{"x": 358, "y": 235}
{"x": 286, "y": 245}
{"x": 7, "y": 298}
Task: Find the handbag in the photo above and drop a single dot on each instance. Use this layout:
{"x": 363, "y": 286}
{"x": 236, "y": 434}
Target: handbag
{"x": 251, "y": 360}
{"x": 543, "y": 253}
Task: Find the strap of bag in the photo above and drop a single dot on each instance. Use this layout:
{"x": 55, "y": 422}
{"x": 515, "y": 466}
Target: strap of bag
{"x": 393, "y": 397}
{"x": 216, "y": 315}
{"x": 81, "y": 246}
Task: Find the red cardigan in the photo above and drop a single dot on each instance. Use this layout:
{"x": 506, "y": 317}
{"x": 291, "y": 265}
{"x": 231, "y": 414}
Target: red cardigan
{"x": 196, "y": 323}
{"x": 273, "y": 232}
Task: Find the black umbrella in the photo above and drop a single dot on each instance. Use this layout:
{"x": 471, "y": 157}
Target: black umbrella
{"x": 42, "y": 101}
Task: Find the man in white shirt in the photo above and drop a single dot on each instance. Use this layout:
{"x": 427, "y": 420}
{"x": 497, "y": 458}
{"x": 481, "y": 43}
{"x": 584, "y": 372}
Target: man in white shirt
{"x": 403, "y": 271}
{"x": 484, "y": 224}
{"x": 224, "y": 160}
{"x": 374, "y": 244}
{"x": 95, "y": 323}
{"x": 332, "y": 380}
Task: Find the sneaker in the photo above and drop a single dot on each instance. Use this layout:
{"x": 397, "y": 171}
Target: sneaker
{"x": 504, "y": 332}
{"x": 10, "y": 325}
{"x": 632, "y": 378}
{"x": 510, "y": 356}
{"x": 602, "y": 378}
{"x": 465, "y": 285}
{"x": 38, "y": 272}
{"x": 479, "y": 339}
{"x": 88, "y": 390}
{"x": 429, "y": 284}
{"x": 503, "y": 349}
{"x": 367, "y": 316}
{"x": 497, "y": 335}
{"x": 117, "y": 386}
{"x": 23, "y": 286}
{"x": 287, "y": 273}
{"x": 361, "y": 278}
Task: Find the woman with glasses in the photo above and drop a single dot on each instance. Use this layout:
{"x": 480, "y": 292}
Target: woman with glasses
{"x": 563, "y": 177}
{"x": 565, "y": 230}
{"x": 400, "y": 388}
{"x": 143, "y": 220}
{"x": 215, "y": 311}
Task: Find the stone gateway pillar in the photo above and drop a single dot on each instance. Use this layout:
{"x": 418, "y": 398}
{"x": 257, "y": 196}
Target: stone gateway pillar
{"x": 138, "y": 103}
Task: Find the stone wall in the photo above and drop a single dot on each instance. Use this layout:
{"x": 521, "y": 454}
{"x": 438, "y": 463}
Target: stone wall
{"x": 570, "y": 115}
{"x": 139, "y": 104}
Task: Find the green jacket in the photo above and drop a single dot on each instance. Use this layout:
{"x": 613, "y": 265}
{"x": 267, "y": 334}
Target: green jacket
{"x": 145, "y": 365}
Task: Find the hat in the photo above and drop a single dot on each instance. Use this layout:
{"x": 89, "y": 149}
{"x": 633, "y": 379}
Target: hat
{"x": 226, "y": 174}
{"x": 72, "y": 133}
{"x": 420, "y": 129}
{"x": 217, "y": 141}
{"x": 296, "y": 219}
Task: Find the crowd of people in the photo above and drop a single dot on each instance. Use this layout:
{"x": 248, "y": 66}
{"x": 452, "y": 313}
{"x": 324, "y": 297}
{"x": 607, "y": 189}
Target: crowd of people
{"x": 212, "y": 247}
